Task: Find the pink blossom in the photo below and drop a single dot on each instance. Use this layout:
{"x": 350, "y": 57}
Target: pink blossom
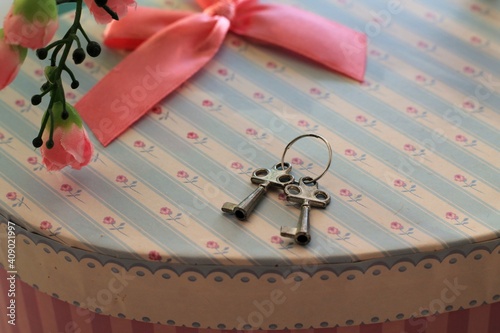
{"x": 258, "y": 95}
{"x": 460, "y": 178}
{"x": 2, "y": 136}
{"x": 460, "y": 138}
{"x": 108, "y": 220}
{"x": 366, "y": 83}
{"x": 350, "y": 152}
{"x": 212, "y": 245}
{"x": 396, "y": 225}
{"x": 66, "y": 188}
{"x": 475, "y": 7}
{"x": 165, "y": 211}
{"x": 32, "y": 160}
{"x": 420, "y": 78}
{"x": 139, "y": 144}
{"x": 72, "y": 146}
{"x": 315, "y": 91}
{"x": 120, "y": 7}
{"x": 333, "y": 231}
{"x": 411, "y": 110}
{"x": 156, "y": 109}
{"x": 409, "y": 147}
{"x": 11, "y": 196}
{"x": 237, "y": 165}
{"x": 70, "y": 95}
{"x": 89, "y": 64}
{"x": 182, "y": 174}
{"x": 31, "y": 28}
{"x": 422, "y": 44}
{"x": 430, "y": 15}
{"x": 476, "y": 40}
{"x": 11, "y": 58}
{"x": 154, "y": 255}
{"x": 451, "y": 216}
{"x": 45, "y": 225}
{"x": 276, "y": 240}
{"x": 297, "y": 161}
{"x": 303, "y": 123}
{"x": 375, "y": 53}
{"x": 469, "y": 70}
{"x": 345, "y": 192}
{"x": 121, "y": 179}
{"x": 271, "y": 65}
{"x": 361, "y": 119}
{"x": 192, "y": 135}
{"x": 222, "y": 71}
{"x": 236, "y": 42}
{"x": 399, "y": 183}
{"x": 469, "y": 105}
{"x": 251, "y": 131}
{"x": 20, "y": 103}
{"x": 282, "y": 196}
{"x": 207, "y": 103}
{"x": 39, "y": 72}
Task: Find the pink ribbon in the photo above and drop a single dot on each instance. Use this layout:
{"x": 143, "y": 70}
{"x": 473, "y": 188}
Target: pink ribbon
{"x": 171, "y": 46}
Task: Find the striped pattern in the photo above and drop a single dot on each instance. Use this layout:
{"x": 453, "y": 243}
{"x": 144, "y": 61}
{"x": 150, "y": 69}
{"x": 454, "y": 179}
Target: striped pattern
{"x": 49, "y": 315}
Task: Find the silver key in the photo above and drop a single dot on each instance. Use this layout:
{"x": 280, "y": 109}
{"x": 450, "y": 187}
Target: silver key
{"x": 274, "y": 177}
{"x": 308, "y": 194}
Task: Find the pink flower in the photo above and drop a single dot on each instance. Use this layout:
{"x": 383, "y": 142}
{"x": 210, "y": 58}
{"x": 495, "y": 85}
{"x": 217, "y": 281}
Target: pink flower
{"x": 258, "y": 95}
{"x": 2, "y": 136}
{"x": 236, "y": 42}
{"x": 139, "y": 144}
{"x": 469, "y": 105}
{"x": 165, "y": 211}
{"x": 361, "y": 119}
{"x": 475, "y": 7}
{"x": 121, "y": 179}
{"x": 409, "y": 147}
{"x": 207, "y": 103}
{"x": 32, "y": 160}
{"x": 154, "y": 255}
{"x": 108, "y": 220}
{"x": 72, "y": 146}
{"x": 282, "y": 196}
{"x": 297, "y": 161}
{"x": 39, "y": 72}
{"x": 333, "y": 231}
{"x": 70, "y": 95}
{"x": 120, "y": 7}
{"x": 192, "y": 135}
{"x": 423, "y": 45}
{"x": 271, "y": 65}
{"x": 222, "y": 71}
{"x": 476, "y": 40}
{"x": 276, "y": 240}
{"x": 399, "y": 183}
{"x": 375, "y": 53}
{"x": 460, "y": 178}
{"x": 156, "y": 109}
{"x": 350, "y": 152}
{"x": 460, "y": 138}
{"x": 89, "y": 64}
{"x": 345, "y": 192}
{"x": 11, "y": 58}
{"x": 366, "y": 83}
{"x": 212, "y": 245}
{"x": 411, "y": 110}
{"x": 182, "y": 174}
{"x": 303, "y": 123}
{"x": 251, "y": 131}
{"x": 30, "y": 24}
{"x": 11, "y": 196}
{"x": 396, "y": 225}
{"x": 45, "y": 225}
{"x": 469, "y": 70}
{"x": 451, "y": 216}
{"x": 420, "y": 78}
{"x": 237, "y": 165}
{"x": 66, "y": 188}
{"x": 315, "y": 91}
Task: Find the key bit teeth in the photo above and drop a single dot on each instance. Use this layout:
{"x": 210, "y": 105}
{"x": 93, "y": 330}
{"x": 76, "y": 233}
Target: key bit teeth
{"x": 229, "y": 207}
{"x": 288, "y": 232}
{"x": 235, "y": 209}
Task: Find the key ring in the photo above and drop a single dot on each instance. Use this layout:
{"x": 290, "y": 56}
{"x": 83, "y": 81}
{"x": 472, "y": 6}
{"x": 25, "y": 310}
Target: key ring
{"x": 314, "y": 136}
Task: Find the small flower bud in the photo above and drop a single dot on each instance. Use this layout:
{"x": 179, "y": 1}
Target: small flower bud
{"x": 75, "y": 84}
{"x": 93, "y": 49}
{"x": 37, "y": 142}
{"x": 64, "y": 114}
{"x": 78, "y": 55}
{"x": 49, "y": 144}
{"x": 42, "y": 53}
{"x": 36, "y": 99}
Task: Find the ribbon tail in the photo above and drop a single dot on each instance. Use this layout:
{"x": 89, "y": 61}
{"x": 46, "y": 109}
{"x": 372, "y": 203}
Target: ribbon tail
{"x": 332, "y": 44}
{"x": 156, "y": 68}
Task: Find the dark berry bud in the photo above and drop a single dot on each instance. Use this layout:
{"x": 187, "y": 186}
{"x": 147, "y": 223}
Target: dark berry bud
{"x": 75, "y": 84}
{"x": 37, "y": 142}
{"x": 50, "y": 144}
{"x": 45, "y": 86}
{"x": 93, "y": 49}
{"x": 36, "y": 99}
{"x": 78, "y": 55}
{"x": 42, "y": 53}
{"x": 64, "y": 114}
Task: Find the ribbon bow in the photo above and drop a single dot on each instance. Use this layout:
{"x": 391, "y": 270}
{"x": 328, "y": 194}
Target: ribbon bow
{"x": 171, "y": 46}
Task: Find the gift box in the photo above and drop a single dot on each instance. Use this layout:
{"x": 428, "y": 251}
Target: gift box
{"x": 137, "y": 239}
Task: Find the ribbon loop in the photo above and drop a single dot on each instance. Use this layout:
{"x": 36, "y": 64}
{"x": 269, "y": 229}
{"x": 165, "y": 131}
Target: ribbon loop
{"x": 224, "y": 8}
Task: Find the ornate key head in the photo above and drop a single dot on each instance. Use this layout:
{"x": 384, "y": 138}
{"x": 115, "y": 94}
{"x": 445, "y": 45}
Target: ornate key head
{"x": 307, "y": 192}
{"x": 279, "y": 175}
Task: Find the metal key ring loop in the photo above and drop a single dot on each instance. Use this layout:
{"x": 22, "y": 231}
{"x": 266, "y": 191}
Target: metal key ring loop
{"x": 314, "y": 136}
